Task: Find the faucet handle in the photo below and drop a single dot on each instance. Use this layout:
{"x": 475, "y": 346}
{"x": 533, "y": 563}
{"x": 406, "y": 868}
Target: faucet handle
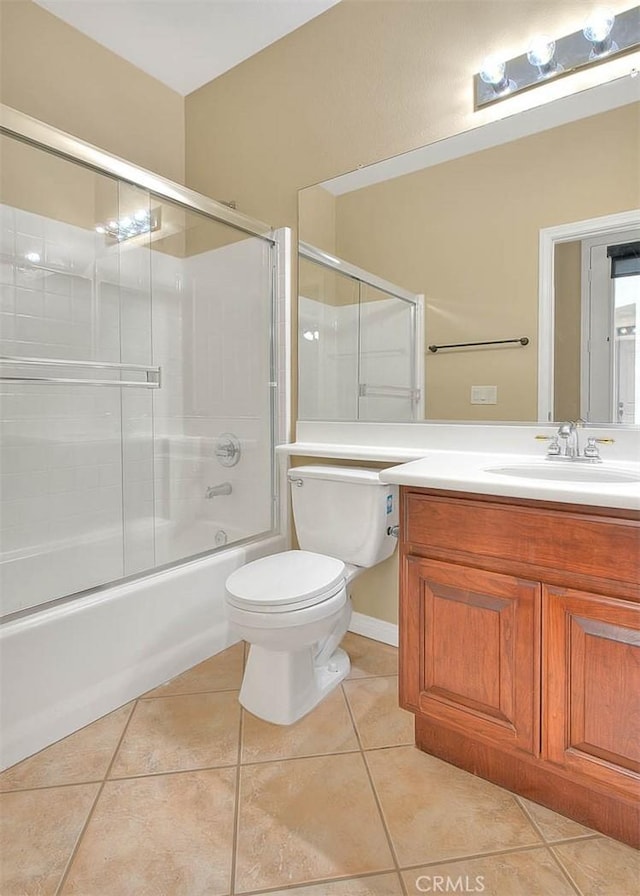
{"x": 591, "y": 449}
{"x": 554, "y": 448}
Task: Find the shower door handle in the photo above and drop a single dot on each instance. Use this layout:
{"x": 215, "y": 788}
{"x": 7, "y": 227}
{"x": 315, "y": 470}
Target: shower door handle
{"x": 151, "y": 381}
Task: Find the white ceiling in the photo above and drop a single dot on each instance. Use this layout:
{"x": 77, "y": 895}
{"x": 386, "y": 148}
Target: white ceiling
{"x": 186, "y": 43}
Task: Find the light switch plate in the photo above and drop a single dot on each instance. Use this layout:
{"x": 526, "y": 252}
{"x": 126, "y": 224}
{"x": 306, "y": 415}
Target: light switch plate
{"x": 484, "y": 395}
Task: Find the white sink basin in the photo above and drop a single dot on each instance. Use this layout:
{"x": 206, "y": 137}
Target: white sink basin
{"x": 566, "y": 472}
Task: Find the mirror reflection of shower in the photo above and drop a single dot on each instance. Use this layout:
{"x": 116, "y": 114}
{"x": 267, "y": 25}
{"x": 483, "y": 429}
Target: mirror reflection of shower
{"x": 360, "y": 345}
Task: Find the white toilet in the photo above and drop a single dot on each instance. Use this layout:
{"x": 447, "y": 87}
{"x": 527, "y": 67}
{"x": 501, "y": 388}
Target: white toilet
{"x": 293, "y": 608}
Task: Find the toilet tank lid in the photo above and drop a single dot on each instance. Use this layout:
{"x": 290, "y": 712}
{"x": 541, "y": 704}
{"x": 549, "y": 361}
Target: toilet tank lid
{"x": 286, "y": 578}
{"x": 362, "y": 475}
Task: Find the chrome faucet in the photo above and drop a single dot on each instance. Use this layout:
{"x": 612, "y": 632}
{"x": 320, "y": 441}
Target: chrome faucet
{"x": 569, "y": 433}
{"x": 214, "y": 490}
{"x": 570, "y": 450}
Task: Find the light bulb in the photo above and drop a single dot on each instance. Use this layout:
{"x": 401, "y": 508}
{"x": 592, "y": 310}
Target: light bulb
{"x": 541, "y": 50}
{"x": 100, "y": 228}
{"x": 598, "y": 26}
{"x": 492, "y": 71}
{"x": 308, "y": 335}
{"x": 33, "y": 257}
{"x": 597, "y": 29}
{"x": 141, "y": 215}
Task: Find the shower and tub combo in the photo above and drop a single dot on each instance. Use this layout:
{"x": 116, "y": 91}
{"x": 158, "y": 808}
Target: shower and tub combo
{"x": 143, "y": 387}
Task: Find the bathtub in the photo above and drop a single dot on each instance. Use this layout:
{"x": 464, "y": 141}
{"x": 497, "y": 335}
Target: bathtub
{"x": 70, "y": 664}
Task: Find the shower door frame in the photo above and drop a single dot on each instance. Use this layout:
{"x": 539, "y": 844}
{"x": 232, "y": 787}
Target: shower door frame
{"x": 40, "y": 135}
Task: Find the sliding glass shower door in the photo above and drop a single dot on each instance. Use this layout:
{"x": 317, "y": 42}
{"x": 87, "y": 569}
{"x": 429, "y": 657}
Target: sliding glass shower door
{"x": 135, "y": 402}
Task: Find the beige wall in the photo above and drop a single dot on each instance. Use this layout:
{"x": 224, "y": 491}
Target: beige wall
{"x": 317, "y": 209}
{"x": 56, "y": 74}
{"x": 465, "y": 233}
{"x": 568, "y": 288}
{"x": 365, "y": 80}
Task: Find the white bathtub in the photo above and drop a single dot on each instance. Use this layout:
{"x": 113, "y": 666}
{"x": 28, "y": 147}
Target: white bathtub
{"x": 66, "y": 666}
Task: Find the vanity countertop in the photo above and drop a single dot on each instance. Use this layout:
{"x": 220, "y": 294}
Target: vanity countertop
{"x": 468, "y": 471}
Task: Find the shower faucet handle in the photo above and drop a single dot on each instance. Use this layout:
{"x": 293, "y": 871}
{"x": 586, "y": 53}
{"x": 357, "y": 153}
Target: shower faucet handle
{"x": 227, "y": 450}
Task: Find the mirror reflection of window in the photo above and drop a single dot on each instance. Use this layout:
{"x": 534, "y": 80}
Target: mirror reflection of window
{"x": 625, "y": 277}
{"x": 611, "y": 268}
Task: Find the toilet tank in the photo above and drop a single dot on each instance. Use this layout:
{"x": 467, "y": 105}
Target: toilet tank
{"x": 344, "y": 512}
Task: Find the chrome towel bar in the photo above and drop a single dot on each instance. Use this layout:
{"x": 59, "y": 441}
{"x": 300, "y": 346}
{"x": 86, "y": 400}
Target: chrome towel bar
{"x": 523, "y": 340}
{"x": 151, "y": 381}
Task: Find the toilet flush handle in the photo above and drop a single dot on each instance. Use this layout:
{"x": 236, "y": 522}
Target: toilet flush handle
{"x": 298, "y": 482}
{"x": 393, "y": 530}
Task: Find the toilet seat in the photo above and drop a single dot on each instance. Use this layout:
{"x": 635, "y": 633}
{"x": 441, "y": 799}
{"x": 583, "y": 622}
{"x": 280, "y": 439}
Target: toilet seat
{"x": 282, "y": 583}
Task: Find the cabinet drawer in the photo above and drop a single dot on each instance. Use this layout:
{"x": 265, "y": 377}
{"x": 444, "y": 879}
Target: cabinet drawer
{"x": 580, "y": 543}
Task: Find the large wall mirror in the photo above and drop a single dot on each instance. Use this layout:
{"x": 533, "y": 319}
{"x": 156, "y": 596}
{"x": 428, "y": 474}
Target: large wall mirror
{"x": 526, "y": 229}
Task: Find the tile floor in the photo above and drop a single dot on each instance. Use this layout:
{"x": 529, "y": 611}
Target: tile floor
{"x": 180, "y": 793}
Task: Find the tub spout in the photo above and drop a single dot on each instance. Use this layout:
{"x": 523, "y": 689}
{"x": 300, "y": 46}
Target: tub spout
{"x": 214, "y": 490}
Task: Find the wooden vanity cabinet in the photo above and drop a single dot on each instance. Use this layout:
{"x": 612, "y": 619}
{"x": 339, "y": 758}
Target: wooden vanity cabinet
{"x": 520, "y": 647}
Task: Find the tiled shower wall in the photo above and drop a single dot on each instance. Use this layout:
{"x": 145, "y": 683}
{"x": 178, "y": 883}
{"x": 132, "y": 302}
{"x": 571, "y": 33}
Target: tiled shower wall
{"x": 100, "y": 482}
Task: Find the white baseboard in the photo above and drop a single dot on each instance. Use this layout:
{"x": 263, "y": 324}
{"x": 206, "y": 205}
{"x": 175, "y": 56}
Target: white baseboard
{"x": 376, "y": 629}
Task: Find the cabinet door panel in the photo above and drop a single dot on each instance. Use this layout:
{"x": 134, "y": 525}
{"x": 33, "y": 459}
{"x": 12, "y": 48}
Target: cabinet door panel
{"x": 592, "y": 672}
{"x": 477, "y": 639}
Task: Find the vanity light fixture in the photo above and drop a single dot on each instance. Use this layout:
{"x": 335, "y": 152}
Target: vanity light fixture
{"x": 602, "y": 37}
{"x": 136, "y": 224}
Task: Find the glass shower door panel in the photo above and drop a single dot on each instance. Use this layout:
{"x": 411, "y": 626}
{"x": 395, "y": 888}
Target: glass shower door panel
{"x": 212, "y": 312}
{"x": 328, "y": 323}
{"x": 61, "y": 483}
{"x": 387, "y": 363}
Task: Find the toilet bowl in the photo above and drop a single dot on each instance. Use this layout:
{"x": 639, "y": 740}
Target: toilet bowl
{"x": 293, "y": 608}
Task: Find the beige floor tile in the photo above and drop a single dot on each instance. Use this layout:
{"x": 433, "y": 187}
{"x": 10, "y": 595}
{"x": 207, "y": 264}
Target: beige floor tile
{"x": 435, "y": 811}
{"x": 168, "y": 835}
{"x": 530, "y": 873}
{"x": 179, "y": 733}
{"x": 304, "y": 820}
{"x": 222, "y": 672}
{"x": 369, "y": 658}
{"x": 38, "y": 832}
{"x": 82, "y": 757}
{"x": 379, "y": 719}
{"x": 377, "y": 885}
{"x": 601, "y": 867}
{"x": 552, "y": 825}
{"x": 326, "y": 729}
